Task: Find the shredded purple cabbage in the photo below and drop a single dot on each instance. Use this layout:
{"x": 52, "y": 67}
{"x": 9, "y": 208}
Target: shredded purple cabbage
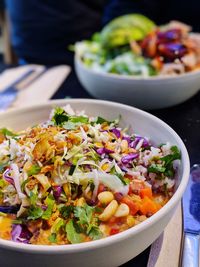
{"x": 20, "y": 233}
{"x": 134, "y": 143}
{"x": 57, "y": 190}
{"x": 7, "y": 177}
{"x": 116, "y": 132}
{"x": 127, "y": 159}
{"x": 9, "y": 209}
{"x": 104, "y": 150}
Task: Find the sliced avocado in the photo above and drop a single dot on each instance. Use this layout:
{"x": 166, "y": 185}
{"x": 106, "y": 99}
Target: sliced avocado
{"x": 124, "y": 29}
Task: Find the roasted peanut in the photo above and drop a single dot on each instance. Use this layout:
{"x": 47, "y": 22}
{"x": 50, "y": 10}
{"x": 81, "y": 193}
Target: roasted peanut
{"x": 122, "y": 210}
{"x": 109, "y": 211}
{"x": 105, "y": 197}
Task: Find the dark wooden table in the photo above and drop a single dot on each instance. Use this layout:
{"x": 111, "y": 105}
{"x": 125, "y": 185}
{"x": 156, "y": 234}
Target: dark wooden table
{"x": 183, "y": 118}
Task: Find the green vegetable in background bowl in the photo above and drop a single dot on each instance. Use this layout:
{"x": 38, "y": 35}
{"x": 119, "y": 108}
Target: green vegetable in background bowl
{"x": 124, "y": 29}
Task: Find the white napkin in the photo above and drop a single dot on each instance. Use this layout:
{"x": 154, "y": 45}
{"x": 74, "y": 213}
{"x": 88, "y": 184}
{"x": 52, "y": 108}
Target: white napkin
{"x": 41, "y": 89}
{"x": 166, "y": 250}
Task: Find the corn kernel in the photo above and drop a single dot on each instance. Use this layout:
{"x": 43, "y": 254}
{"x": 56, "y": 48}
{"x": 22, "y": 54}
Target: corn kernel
{"x": 104, "y": 166}
{"x": 130, "y": 221}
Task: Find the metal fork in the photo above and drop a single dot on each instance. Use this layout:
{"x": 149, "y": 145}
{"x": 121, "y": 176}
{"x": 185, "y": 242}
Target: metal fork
{"x": 8, "y": 96}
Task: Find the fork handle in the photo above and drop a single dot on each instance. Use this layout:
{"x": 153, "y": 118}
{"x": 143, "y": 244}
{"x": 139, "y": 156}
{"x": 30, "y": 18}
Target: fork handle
{"x": 190, "y": 250}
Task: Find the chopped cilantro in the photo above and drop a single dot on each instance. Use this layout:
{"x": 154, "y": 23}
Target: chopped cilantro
{"x": 88, "y": 221}
{"x": 84, "y": 214}
{"x": 167, "y": 164}
{"x": 66, "y": 211}
{"x": 72, "y": 234}
{"x": 35, "y": 169}
{"x": 34, "y": 212}
{"x": 49, "y": 201}
{"x": 95, "y": 233}
{"x": 156, "y": 168}
{"x": 171, "y": 157}
{"x": 168, "y": 161}
{"x": 101, "y": 120}
{"x": 57, "y": 225}
{"x": 60, "y": 116}
{"x": 53, "y": 238}
{"x": 33, "y": 198}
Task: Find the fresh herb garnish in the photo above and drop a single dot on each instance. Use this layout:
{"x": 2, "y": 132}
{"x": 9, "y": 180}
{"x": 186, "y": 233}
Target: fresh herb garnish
{"x": 34, "y": 212}
{"x": 60, "y": 116}
{"x": 49, "y": 201}
{"x": 58, "y": 224}
{"x": 86, "y": 219}
{"x": 167, "y": 163}
{"x": 34, "y": 169}
{"x": 156, "y": 168}
{"x": 72, "y": 235}
{"x": 171, "y": 157}
{"x": 53, "y": 238}
{"x": 33, "y": 198}
{"x": 66, "y": 211}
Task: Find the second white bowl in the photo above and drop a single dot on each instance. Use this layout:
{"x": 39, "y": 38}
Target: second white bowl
{"x": 145, "y": 93}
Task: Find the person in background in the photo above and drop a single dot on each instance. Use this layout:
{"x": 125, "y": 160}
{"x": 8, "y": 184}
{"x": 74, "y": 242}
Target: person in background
{"x": 160, "y": 11}
{"x": 42, "y": 30}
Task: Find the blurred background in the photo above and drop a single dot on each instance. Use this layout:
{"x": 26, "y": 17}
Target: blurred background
{"x": 40, "y": 31}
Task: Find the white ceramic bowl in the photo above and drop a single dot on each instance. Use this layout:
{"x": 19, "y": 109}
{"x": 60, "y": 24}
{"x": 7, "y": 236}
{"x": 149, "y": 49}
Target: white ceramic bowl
{"x": 145, "y": 93}
{"x": 117, "y": 249}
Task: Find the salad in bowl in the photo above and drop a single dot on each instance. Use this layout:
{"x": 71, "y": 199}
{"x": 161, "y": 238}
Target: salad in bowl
{"x": 133, "y": 45}
{"x": 76, "y": 178}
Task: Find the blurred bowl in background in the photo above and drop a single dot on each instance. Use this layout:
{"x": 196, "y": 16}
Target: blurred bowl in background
{"x": 146, "y": 93}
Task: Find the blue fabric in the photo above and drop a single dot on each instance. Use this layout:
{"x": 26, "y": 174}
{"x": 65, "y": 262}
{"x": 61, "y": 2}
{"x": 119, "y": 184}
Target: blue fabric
{"x": 42, "y": 29}
{"x": 161, "y": 11}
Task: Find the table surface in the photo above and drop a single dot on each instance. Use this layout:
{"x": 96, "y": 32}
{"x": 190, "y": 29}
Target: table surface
{"x": 183, "y": 118}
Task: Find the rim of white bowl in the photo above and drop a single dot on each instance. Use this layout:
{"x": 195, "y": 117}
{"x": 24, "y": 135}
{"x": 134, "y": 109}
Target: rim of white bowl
{"x": 189, "y": 74}
{"x": 73, "y": 248}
